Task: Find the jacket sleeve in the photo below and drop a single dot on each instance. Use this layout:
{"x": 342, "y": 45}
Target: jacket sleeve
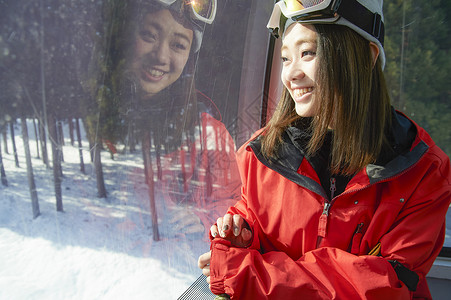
{"x": 332, "y": 273}
{"x": 325, "y": 273}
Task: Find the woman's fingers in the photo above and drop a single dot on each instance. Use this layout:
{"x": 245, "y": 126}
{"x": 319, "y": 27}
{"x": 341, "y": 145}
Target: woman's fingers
{"x": 231, "y": 227}
{"x": 204, "y": 264}
{"x": 214, "y": 230}
{"x": 206, "y": 271}
{"x": 246, "y": 234}
{"x": 186, "y": 220}
{"x": 226, "y": 225}
{"x": 194, "y": 228}
{"x": 219, "y": 224}
{"x": 204, "y": 260}
{"x": 237, "y": 224}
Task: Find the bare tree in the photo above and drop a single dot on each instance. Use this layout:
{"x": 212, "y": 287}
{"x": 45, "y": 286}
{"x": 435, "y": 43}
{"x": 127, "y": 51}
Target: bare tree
{"x": 31, "y": 183}
{"x": 56, "y": 159}
{"x": 13, "y": 141}
{"x": 80, "y": 150}
{"x": 36, "y": 134}
{"x": 5, "y": 144}
{"x": 148, "y": 170}
{"x": 101, "y": 190}
{"x": 2, "y": 169}
{"x": 43, "y": 138}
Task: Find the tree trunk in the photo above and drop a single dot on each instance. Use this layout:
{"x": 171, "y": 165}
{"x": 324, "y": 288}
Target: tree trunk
{"x": 131, "y": 138}
{"x": 2, "y": 169}
{"x": 101, "y": 190}
{"x": 42, "y": 135}
{"x": 31, "y": 184}
{"x": 71, "y": 130}
{"x": 5, "y": 142}
{"x": 91, "y": 150}
{"x": 150, "y": 183}
{"x": 157, "y": 143}
{"x": 36, "y": 137}
{"x": 13, "y": 141}
{"x": 60, "y": 135}
{"x": 80, "y": 150}
{"x": 57, "y": 178}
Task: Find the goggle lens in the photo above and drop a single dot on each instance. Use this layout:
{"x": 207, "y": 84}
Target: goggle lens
{"x": 292, "y": 7}
{"x": 203, "y": 8}
{"x": 297, "y": 5}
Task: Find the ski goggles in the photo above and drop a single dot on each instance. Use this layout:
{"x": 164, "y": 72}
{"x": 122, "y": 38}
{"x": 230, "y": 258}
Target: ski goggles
{"x": 202, "y": 10}
{"x": 326, "y": 11}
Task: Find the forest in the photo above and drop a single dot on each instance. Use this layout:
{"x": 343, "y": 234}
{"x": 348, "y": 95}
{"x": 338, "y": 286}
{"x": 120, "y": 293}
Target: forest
{"x": 60, "y": 62}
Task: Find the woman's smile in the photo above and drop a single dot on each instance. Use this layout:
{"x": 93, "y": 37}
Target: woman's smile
{"x": 152, "y": 74}
{"x": 299, "y": 93}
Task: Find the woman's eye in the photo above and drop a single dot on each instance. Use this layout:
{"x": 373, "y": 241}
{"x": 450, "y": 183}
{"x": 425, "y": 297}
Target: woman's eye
{"x": 308, "y": 53}
{"x": 180, "y": 46}
{"x": 147, "y": 35}
{"x": 284, "y": 59}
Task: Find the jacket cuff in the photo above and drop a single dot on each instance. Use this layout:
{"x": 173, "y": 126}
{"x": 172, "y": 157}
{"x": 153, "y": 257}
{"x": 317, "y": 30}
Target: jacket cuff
{"x": 219, "y": 248}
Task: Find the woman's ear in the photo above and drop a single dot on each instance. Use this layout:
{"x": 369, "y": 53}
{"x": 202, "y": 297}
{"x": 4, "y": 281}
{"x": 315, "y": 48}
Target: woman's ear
{"x": 374, "y": 52}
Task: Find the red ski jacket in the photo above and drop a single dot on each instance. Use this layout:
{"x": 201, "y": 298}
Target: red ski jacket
{"x": 307, "y": 246}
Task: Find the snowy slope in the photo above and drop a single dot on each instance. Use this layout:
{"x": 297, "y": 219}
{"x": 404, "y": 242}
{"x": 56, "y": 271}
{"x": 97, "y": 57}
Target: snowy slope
{"x": 96, "y": 248}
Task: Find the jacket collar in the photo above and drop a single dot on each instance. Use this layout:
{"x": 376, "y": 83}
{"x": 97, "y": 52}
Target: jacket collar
{"x": 404, "y": 153}
{"x": 292, "y": 152}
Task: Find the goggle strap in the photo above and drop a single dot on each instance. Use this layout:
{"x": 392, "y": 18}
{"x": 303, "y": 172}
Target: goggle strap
{"x": 363, "y": 18}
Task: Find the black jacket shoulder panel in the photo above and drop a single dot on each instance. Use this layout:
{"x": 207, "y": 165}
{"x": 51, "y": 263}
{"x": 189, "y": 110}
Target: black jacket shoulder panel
{"x": 396, "y": 166}
{"x": 403, "y": 135}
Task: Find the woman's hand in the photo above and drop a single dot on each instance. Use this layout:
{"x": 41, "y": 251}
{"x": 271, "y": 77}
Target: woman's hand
{"x": 204, "y": 264}
{"x": 234, "y": 229}
{"x": 185, "y": 221}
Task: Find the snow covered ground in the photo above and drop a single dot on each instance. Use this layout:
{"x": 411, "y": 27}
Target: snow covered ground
{"x": 96, "y": 248}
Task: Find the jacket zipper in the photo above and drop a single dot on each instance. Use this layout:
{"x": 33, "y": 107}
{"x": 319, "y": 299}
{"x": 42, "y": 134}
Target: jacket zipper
{"x": 333, "y": 187}
{"x": 322, "y": 226}
{"x": 356, "y": 239}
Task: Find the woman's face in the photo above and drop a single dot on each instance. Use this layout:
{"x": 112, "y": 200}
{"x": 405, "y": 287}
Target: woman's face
{"x": 161, "y": 51}
{"x": 299, "y": 60}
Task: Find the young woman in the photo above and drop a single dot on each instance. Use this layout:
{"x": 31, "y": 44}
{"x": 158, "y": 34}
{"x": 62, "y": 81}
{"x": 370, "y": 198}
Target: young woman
{"x": 343, "y": 197}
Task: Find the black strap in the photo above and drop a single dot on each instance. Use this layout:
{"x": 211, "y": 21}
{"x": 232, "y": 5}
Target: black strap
{"x": 408, "y": 277}
{"x": 360, "y": 16}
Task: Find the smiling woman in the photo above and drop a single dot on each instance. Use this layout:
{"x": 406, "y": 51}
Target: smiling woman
{"x": 163, "y": 46}
{"x": 343, "y": 196}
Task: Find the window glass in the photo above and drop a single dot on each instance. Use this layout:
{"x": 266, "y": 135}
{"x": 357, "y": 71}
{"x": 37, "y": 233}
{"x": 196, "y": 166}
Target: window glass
{"x": 119, "y": 123}
{"x": 418, "y": 66}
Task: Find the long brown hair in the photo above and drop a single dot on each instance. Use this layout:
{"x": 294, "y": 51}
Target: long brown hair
{"x": 353, "y": 100}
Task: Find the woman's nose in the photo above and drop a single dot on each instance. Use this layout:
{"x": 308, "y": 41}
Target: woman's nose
{"x": 295, "y": 72}
{"x": 161, "y": 53}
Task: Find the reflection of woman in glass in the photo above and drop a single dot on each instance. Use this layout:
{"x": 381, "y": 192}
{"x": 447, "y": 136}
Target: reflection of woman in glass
{"x": 196, "y": 173}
